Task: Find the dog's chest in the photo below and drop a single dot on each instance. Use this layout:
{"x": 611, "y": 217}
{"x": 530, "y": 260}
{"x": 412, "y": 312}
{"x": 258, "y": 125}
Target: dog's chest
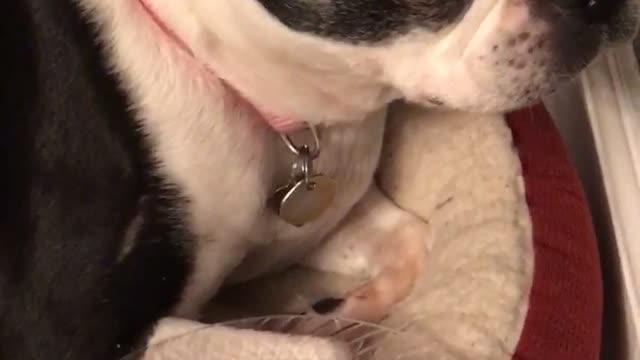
{"x": 227, "y": 164}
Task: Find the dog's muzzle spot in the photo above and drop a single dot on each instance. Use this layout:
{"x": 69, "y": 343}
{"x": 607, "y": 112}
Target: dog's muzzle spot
{"x": 524, "y": 36}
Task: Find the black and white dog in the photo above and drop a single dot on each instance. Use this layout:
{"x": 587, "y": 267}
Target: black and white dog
{"x": 140, "y": 143}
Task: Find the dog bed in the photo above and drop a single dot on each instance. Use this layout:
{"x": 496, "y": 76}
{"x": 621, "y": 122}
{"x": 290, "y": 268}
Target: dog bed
{"x": 513, "y": 271}
{"x": 564, "y": 311}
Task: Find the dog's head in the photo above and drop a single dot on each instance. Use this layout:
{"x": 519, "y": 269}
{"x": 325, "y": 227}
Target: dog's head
{"x": 332, "y": 60}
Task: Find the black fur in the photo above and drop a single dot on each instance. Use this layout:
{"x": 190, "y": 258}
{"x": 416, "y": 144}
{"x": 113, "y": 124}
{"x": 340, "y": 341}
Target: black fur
{"x": 373, "y": 21}
{"x": 73, "y": 169}
{"x": 365, "y": 20}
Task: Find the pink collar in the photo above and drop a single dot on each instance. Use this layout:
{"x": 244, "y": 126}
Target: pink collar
{"x": 277, "y": 123}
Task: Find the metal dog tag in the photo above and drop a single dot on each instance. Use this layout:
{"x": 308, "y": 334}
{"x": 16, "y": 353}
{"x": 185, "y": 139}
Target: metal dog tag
{"x": 306, "y": 200}
{"x": 308, "y": 194}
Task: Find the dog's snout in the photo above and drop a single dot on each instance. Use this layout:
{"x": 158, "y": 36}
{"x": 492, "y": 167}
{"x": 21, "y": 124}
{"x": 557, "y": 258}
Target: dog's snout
{"x": 577, "y": 29}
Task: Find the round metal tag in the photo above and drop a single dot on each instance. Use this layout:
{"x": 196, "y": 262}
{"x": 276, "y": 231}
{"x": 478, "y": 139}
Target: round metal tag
{"x": 305, "y": 202}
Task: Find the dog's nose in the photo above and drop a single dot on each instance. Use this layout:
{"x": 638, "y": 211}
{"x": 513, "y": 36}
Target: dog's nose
{"x": 600, "y": 12}
{"x": 590, "y": 12}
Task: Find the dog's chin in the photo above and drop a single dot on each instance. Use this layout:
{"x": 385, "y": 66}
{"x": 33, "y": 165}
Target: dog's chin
{"x": 479, "y": 104}
{"x": 482, "y": 90}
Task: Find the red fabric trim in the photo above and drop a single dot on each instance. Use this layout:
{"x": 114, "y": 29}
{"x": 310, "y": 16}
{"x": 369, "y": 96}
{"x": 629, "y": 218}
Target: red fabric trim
{"x": 565, "y": 311}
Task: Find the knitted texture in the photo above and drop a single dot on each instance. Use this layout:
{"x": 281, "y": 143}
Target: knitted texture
{"x": 565, "y": 306}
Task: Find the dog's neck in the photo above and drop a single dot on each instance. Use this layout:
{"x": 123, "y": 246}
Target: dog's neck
{"x": 279, "y": 124}
{"x": 307, "y": 80}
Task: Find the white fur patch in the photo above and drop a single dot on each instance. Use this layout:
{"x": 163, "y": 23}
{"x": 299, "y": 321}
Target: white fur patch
{"x": 220, "y": 154}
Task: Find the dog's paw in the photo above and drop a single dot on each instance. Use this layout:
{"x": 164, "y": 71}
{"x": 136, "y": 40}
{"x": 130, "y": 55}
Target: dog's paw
{"x": 370, "y": 302}
{"x": 327, "y": 306}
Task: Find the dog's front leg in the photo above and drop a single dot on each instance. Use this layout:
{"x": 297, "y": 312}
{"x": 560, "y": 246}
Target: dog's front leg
{"x": 380, "y": 243}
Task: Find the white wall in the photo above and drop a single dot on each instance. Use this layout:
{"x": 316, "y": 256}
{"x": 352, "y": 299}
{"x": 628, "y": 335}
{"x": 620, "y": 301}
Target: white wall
{"x": 568, "y": 110}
